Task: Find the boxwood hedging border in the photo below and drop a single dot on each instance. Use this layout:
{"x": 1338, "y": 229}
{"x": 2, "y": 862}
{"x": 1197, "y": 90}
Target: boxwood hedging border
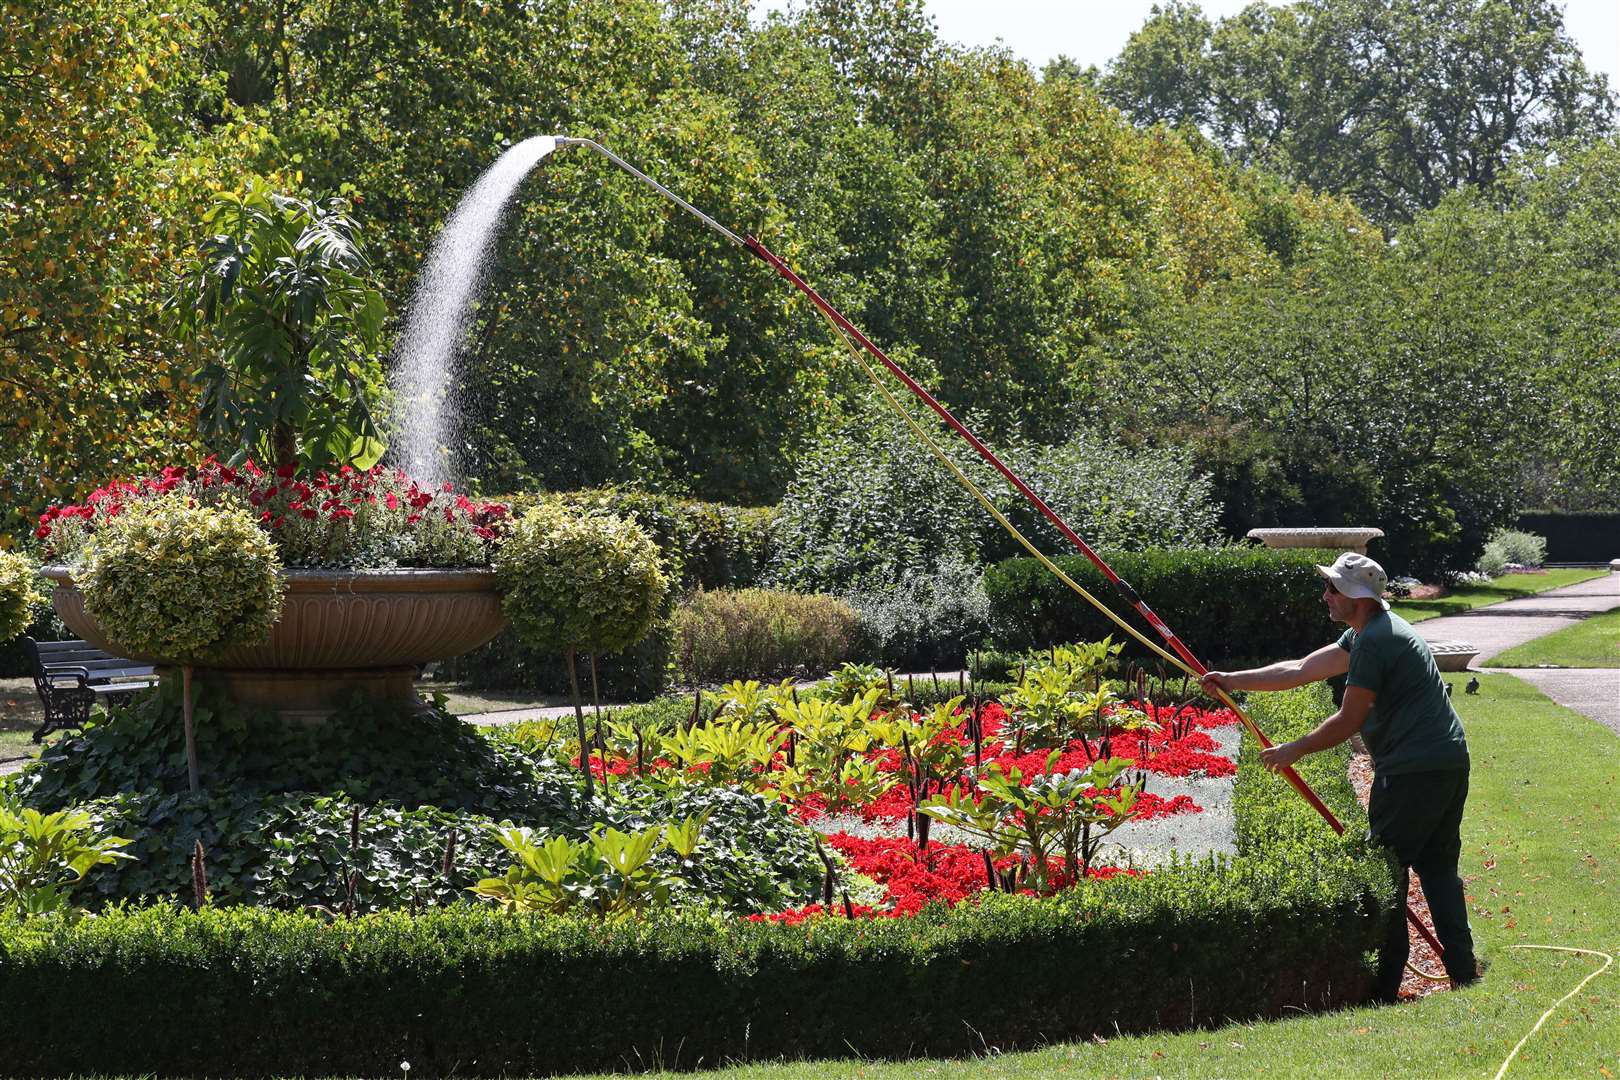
{"x": 1286, "y": 923}
{"x": 1225, "y": 603}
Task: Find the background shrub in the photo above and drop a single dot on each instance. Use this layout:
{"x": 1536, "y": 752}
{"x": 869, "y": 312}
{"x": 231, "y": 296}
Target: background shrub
{"x": 1116, "y": 498}
{"x": 757, "y": 633}
{"x": 173, "y": 581}
{"x": 20, "y": 595}
{"x": 925, "y": 619}
{"x": 1225, "y": 603}
{"x": 871, "y": 506}
{"x": 704, "y": 544}
{"x": 1508, "y": 547}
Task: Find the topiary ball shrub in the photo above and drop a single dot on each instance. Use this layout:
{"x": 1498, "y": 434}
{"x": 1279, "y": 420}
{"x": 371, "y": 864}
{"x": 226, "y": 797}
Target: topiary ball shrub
{"x": 19, "y": 594}
{"x": 591, "y": 583}
{"x": 175, "y": 581}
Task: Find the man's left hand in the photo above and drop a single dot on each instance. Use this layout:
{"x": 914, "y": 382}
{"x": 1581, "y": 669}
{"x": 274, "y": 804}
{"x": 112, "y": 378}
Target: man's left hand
{"x": 1279, "y": 757}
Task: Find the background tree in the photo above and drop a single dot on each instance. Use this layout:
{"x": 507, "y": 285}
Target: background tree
{"x": 1394, "y": 104}
{"x": 100, "y": 162}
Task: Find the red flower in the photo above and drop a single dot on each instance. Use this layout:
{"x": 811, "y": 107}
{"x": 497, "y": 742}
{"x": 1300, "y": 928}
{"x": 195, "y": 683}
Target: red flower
{"x": 286, "y": 471}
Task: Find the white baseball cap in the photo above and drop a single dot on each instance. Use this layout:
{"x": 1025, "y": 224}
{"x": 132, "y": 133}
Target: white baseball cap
{"x": 1358, "y": 577}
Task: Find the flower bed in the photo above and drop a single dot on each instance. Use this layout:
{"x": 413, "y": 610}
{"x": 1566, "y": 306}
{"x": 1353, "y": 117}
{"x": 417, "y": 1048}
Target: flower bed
{"x": 375, "y": 518}
{"x": 1174, "y": 743}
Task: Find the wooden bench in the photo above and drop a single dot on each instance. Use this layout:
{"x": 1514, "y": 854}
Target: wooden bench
{"x": 71, "y": 676}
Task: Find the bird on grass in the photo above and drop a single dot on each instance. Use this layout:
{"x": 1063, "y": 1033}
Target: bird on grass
{"x": 1473, "y": 685}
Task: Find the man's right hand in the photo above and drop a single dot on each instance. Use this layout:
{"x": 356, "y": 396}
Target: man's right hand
{"x": 1216, "y": 680}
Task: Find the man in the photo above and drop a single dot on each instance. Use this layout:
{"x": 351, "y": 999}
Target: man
{"x": 1395, "y": 698}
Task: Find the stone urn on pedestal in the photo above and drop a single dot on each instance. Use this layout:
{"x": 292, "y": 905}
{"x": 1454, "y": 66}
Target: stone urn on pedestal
{"x": 339, "y": 631}
{"x": 1338, "y": 537}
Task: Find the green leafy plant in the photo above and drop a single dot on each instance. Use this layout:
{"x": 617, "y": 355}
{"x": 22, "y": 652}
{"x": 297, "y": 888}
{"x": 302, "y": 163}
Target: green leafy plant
{"x": 44, "y": 857}
{"x": 279, "y": 298}
{"x": 1065, "y": 814}
{"x": 178, "y": 582}
{"x": 609, "y": 874}
{"x": 19, "y": 594}
{"x": 824, "y": 737}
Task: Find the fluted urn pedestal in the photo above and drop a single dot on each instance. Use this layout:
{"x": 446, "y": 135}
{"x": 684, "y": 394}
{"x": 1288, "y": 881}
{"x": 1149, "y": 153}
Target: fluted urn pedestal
{"x": 339, "y": 631}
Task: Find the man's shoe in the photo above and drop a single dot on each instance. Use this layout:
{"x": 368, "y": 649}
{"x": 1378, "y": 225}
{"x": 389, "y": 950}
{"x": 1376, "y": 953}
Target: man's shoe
{"x": 1480, "y": 967}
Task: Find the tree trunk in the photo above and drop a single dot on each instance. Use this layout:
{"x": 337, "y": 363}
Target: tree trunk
{"x": 191, "y": 734}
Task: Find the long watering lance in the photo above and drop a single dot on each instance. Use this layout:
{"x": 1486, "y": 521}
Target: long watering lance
{"x": 1183, "y": 657}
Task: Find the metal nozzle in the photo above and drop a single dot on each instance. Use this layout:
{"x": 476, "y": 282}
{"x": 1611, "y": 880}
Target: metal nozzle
{"x": 566, "y": 140}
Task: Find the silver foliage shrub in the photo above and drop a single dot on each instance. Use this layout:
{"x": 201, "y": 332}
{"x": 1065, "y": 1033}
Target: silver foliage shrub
{"x": 1508, "y": 547}
{"x": 925, "y": 618}
{"x": 869, "y": 506}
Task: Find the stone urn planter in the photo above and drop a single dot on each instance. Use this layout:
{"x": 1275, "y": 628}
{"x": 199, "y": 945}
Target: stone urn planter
{"x": 339, "y": 631}
{"x": 1338, "y": 537}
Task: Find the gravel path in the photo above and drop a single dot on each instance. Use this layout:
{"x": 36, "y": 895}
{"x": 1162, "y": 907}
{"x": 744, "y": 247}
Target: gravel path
{"x": 1593, "y": 692}
{"x": 1151, "y": 843}
{"x": 1514, "y": 622}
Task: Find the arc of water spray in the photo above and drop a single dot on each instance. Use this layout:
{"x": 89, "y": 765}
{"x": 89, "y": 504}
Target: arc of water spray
{"x": 435, "y": 322}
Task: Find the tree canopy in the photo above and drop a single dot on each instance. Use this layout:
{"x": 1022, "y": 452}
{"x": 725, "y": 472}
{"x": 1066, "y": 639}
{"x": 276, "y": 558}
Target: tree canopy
{"x": 1392, "y": 103}
{"x": 1234, "y": 227}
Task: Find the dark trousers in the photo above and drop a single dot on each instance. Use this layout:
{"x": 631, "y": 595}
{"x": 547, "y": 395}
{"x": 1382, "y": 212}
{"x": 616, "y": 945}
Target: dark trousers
{"x": 1417, "y": 817}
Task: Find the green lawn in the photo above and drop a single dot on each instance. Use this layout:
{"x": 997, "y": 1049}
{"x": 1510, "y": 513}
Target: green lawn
{"x": 1590, "y": 643}
{"x": 1541, "y": 853}
{"x": 1506, "y": 587}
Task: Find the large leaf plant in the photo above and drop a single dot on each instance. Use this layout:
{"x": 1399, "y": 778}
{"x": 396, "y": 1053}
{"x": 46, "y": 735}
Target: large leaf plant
{"x": 279, "y": 302}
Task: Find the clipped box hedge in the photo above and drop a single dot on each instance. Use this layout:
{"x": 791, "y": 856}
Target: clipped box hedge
{"x": 1225, "y": 603}
{"x": 1588, "y": 536}
{"x": 1285, "y": 924}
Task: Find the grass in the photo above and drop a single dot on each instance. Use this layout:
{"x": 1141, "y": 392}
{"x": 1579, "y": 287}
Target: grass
{"x": 1541, "y": 855}
{"x": 20, "y": 714}
{"x": 1590, "y": 643}
{"x": 1506, "y": 587}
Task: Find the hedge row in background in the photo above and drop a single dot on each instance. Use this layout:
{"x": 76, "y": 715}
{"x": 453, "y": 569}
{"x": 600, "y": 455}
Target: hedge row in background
{"x": 1576, "y": 537}
{"x": 1285, "y": 925}
{"x": 711, "y": 637}
{"x": 707, "y": 545}
{"x": 1225, "y": 603}
{"x": 759, "y": 633}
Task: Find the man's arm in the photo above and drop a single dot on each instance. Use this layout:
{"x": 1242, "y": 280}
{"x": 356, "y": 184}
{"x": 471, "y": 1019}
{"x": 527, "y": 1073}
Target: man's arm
{"x": 1324, "y": 663}
{"x": 1358, "y": 701}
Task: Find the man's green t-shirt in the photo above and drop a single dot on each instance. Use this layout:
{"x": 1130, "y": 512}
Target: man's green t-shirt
{"x": 1412, "y": 726}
